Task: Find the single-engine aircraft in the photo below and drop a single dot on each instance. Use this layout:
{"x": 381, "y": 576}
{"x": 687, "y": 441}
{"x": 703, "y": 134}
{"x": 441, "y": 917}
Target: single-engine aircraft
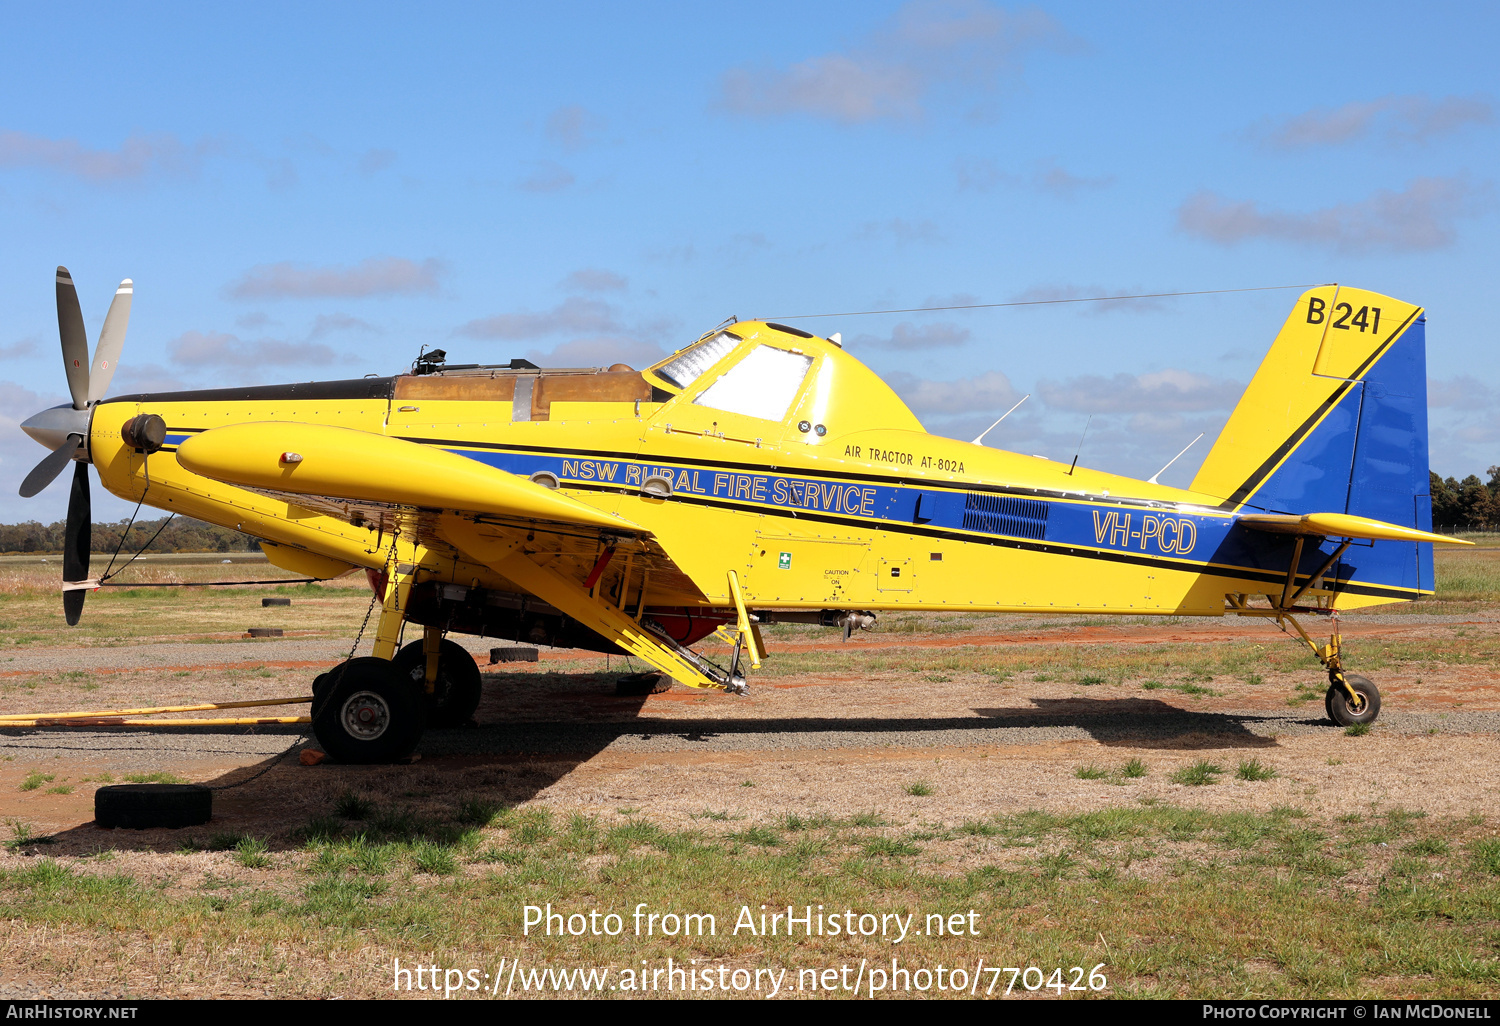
{"x": 759, "y": 474}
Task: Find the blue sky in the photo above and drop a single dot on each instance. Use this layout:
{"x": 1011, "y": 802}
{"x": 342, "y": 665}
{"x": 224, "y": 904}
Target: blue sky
{"x": 317, "y": 191}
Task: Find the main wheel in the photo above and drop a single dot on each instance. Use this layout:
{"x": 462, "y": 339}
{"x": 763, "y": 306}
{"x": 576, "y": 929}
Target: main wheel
{"x": 371, "y": 714}
{"x": 455, "y": 693}
{"x": 1343, "y": 712}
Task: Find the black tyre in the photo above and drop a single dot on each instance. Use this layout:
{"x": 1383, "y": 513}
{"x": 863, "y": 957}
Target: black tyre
{"x": 371, "y": 714}
{"x": 1343, "y": 712}
{"x": 455, "y": 693}
{"x": 142, "y": 806}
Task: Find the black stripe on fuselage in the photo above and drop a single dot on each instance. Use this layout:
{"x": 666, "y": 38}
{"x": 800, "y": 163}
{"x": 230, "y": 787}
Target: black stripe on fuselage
{"x": 818, "y": 472}
{"x": 1048, "y": 548}
{"x": 1255, "y": 480}
{"x": 352, "y": 388}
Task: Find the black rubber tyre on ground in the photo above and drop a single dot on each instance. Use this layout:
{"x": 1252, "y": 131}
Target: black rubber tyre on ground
{"x": 142, "y": 806}
{"x": 371, "y": 714}
{"x": 455, "y": 694}
{"x": 1340, "y": 710}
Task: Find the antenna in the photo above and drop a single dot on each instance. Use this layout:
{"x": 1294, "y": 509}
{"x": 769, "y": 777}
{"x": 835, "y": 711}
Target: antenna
{"x": 1153, "y": 478}
{"x": 1080, "y": 444}
{"x": 993, "y": 426}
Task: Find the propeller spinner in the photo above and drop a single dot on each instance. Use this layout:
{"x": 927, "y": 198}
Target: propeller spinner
{"x": 65, "y": 429}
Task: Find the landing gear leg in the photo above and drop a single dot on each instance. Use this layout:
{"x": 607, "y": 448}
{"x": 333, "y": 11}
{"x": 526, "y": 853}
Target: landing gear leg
{"x": 1351, "y": 698}
{"x": 364, "y": 709}
{"x": 445, "y": 674}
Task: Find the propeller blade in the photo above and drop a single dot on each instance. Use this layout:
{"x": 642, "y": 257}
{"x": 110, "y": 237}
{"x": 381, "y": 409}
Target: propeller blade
{"x": 52, "y": 464}
{"x": 111, "y": 341}
{"x": 75, "y": 340}
{"x": 77, "y": 542}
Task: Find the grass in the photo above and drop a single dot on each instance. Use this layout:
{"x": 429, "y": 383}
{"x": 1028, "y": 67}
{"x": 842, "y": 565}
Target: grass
{"x": 1357, "y": 729}
{"x": 36, "y": 779}
{"x": 1133, "y": 769}
{"x": 1090, "y": 772}
{"x": 919, "y": 789}
{"x": 158, "y": 777}
{"x": 1289, "y": 927}
{"x": 1254, "y": 769}
{"x": 251, "y": 852}
{"x": 353, "y": 806}
{"x": 1199, "y": 773}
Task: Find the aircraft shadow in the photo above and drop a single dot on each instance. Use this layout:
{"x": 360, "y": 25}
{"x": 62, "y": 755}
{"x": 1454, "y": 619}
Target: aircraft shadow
{"x": 1144, "y": 723}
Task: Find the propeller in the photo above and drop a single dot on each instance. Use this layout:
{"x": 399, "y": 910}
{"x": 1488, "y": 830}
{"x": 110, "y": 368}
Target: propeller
{"x": 65, "y": 429}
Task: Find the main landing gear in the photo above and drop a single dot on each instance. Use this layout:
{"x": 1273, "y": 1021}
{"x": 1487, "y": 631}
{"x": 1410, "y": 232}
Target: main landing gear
{"x": 1351, "y": 699}
{"x": 373, "y": 709}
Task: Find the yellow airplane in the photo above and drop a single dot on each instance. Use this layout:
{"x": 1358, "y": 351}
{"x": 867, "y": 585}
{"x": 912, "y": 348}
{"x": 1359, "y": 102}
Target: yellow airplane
{"x": 760, "y": 473}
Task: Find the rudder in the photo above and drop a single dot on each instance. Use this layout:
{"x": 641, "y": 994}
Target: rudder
{"x": 1335, "y": 420}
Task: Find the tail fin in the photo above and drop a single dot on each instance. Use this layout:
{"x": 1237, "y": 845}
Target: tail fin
{"x": 1335, "y": 420}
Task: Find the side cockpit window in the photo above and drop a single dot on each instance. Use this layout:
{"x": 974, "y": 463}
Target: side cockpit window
{"x": 688, "y": 366}
{"x": 762, "y": 385}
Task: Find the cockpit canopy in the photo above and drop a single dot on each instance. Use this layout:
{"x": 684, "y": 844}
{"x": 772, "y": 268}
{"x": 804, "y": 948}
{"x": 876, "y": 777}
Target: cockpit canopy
{"x": 768, "y": 372}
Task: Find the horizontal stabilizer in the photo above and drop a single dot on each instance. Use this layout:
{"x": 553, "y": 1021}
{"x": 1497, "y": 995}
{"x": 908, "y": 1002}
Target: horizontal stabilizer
{"x": 360, "y": 466}
{"x": 1342, "y": 525}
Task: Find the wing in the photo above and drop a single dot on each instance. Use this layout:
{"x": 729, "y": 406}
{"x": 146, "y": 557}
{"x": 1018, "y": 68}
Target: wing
{"x": 538, "y": 539}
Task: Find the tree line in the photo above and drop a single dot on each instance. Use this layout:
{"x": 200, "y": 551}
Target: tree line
{"x": 1467, "y": 505}
{"x": 182, "y": 534}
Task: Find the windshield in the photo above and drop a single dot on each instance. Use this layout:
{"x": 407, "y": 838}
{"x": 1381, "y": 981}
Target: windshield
{"x": 761, "y": 385}
{"x": 688, "y": 366}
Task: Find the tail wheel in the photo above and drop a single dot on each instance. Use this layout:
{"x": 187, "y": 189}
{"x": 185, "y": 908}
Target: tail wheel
{"x": 1344, "y": 712}
{"x": 455, "y": 693}
{"x": 368, "y": 713}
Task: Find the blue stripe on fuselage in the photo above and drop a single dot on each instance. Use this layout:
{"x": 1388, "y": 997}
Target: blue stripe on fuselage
{"x": 1190, "y": 538}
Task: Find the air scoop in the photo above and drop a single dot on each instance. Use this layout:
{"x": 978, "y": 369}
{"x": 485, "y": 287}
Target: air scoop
{"x": 344, "y": 463}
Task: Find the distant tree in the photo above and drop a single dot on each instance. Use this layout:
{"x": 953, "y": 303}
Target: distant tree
{"x": 181, "y": 534}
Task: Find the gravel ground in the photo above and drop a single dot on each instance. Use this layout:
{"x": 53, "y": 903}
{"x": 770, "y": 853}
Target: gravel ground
{"x": 164, "y": 749}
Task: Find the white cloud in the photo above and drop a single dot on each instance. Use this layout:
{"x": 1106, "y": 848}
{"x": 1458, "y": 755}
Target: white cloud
{"x": 909, "y": 336}
{"x": 599, "y": 351}
{"x": 17, "y": 350}
{"x": 139, "y": 156}
{"x": 1395, "y": 118}
{"x": 377, "y": 276}
{"x": 1059, "y": 181}
{"x": 980, "y": 174}
{"x": 147, "y": 377}
{"x": 991, "y": 390}
{"x": 591, "y": 279}
{"x": 1420, "y": 217}
{"x": 573, "y": 127}
{"x": 327, "y": 323}
{"x": 1155, "y": 393}
{"x": 376, "y": 160}
{"x": 1461, "y": 393}
{"x": 904, "y": 232}
{"x": 217, "y": 349}
{"x": 891, "y": 73}
{"x": 572, "y": 314}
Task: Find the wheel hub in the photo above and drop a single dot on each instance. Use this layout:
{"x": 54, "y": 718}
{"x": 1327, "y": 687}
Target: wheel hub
{"x": 365, "y": 715}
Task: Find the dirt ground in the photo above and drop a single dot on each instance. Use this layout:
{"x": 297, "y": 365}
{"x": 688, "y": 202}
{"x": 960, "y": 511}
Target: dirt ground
{"x": 817, "y": 742}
